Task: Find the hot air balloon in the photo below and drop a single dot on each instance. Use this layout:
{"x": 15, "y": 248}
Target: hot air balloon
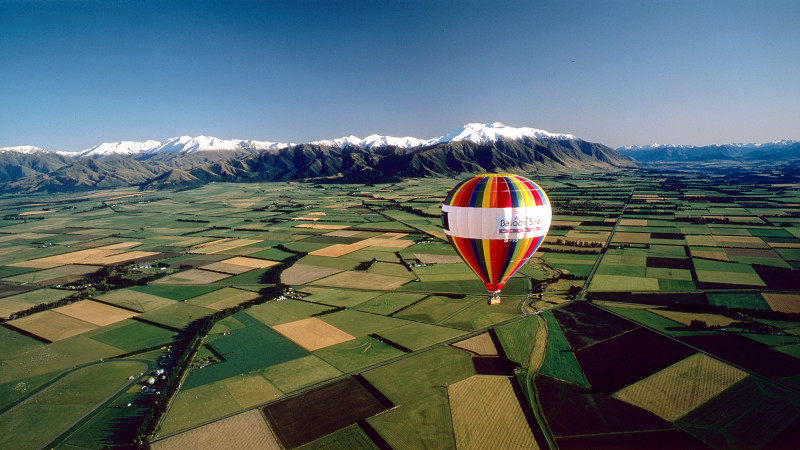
{"x": 495, "y": 222}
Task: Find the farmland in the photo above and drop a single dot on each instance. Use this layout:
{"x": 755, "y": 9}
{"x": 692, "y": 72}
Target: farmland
{"x": 242, "y": 298}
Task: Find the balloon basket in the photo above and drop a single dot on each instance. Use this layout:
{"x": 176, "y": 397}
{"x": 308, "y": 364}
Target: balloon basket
{"x": 494, "y": 298}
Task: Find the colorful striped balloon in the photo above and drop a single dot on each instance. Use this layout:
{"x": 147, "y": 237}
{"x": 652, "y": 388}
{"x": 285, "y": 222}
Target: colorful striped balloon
{"x": 495, "y": 222}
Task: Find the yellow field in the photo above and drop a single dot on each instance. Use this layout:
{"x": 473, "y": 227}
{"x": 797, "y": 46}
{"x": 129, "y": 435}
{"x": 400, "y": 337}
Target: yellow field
{"x": 245, "y": 430}
{"x": 784, "y": 244}
{"x": 78, "y": 257}
{"x": 686, "y": 318}
{"x": 35, "y": 213}
{"x": 121, "y": 245}
{"x": 222, "y": 245}
{"x": 738, "y": 239}
{"x": 51, "y": 325}
{"x": 343, "y": 233}
{"x": 789, "y": 303}
{"x": 8, "y": 307}
{"x": 487, "y": 414}
{"x": 95, "y": 312}
{"x": 102, "y": 256}
{"x": 253, "y": 263}
{"x": 719, "y": 256}
{"x": 229, "y": 297}
{"x": 304, "y": 273}
{"x": 361, "y": 280}
{"x": 336, "y": 250}
{"x": 383, "y": 242}
{"x": 481, "y": 345}
{"x": 230, "y": 269}
{"x": 626, "y": 237}
{"x": 682, "y": 387}
{"x": 633, "y": 222}
{"x": 312, "y": 333}
{"x": 438, "y": 259}
{"x": 209, "y": 401}
{"x": 192, "y": 276}
{"x": 321, "y": 226}
{"x": 392, "y": 235}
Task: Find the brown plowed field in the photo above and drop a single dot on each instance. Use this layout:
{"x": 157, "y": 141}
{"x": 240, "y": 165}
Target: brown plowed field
{"x": 303, "y": 418}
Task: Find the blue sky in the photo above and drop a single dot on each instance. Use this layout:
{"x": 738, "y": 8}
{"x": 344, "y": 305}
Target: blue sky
{"x": 74, "y": 74}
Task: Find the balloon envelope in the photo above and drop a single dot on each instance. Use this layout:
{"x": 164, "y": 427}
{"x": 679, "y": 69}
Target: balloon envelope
{"x": 495, "y": 222}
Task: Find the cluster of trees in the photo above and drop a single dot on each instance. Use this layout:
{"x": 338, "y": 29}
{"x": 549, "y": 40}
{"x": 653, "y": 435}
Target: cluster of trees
{"x": 576, "y": 243}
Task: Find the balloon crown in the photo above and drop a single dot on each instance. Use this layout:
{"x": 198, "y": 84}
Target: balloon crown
{"x": 484, "y": 175}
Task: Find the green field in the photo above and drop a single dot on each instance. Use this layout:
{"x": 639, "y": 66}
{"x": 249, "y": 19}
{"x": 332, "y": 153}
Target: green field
{"x": 244, "y": 350}
{"x": 559, "y": 361}
{"x": 53, "y": 409}
{"x": 517, "y": 339}
{"x": 355, "y": 355}
{"x": 131, "y": 335}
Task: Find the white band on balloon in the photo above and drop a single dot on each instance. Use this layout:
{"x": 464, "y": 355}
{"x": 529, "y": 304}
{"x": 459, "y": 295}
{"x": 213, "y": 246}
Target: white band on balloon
{"x": 497, "y": 223}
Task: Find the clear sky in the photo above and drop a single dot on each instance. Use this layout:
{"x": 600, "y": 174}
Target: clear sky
{"x": 74, "y": 74}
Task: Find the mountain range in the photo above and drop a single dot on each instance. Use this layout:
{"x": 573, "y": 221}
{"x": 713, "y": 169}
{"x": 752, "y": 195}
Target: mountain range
{"x": 185, "y": 161}
{"x": 770, "y": 151}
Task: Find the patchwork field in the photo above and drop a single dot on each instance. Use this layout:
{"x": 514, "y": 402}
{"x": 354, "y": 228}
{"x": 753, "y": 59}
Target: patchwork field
{"x": 376, "y": 291}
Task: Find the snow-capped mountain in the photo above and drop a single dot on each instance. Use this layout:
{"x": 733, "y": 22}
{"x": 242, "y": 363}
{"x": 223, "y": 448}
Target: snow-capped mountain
{"x": 188, "y": 144}
{"x": 23, "y": 149}
{"x": 472, "y": 132}
{"x": 181, "y": 144}
{"x": 492, "y": 132}
{"x": 373, "y": 141}
{"x": 478, "y": 133}
{"x": 119, "y": 148}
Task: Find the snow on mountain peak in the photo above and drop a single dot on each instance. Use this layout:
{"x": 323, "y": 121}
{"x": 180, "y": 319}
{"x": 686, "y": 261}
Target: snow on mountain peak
{"x": 23, "y": 149}
{"x": 491, "y": 132}
{"x": 188, "y": 144}
{"x": 474, "y": 132}
{"x": 120, "y": 148}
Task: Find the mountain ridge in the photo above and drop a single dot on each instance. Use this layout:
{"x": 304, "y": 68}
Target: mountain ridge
{"x": 780, "y": 149}
{"x": 185, "y": 161}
